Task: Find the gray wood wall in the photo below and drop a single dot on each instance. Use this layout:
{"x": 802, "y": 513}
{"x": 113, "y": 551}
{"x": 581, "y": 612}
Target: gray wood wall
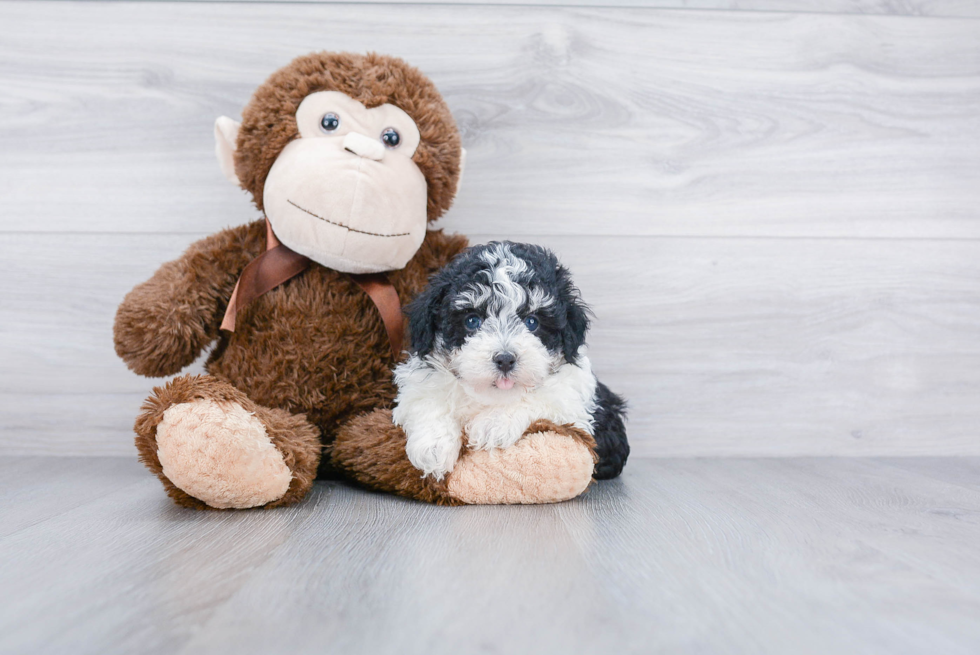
{"x": 774, "y": 207}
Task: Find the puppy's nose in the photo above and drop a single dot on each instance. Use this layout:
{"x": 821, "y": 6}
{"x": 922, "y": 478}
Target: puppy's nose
{"x": 504, "y": 361}
{"x": 364, "y": 146}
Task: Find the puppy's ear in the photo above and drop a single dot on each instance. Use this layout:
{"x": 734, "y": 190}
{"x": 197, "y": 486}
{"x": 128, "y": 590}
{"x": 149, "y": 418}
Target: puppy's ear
{"x": 576, "y": 316}
{"x": 423, "y": 314}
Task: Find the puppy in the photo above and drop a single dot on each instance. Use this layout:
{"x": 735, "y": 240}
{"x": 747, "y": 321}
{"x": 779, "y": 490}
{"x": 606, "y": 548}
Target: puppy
{"x": 497, "y": 342}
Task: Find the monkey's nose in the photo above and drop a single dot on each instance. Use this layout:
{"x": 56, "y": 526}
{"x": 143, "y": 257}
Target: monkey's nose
{"x": 505, "y": 362}
{"x": 364, "y": 146}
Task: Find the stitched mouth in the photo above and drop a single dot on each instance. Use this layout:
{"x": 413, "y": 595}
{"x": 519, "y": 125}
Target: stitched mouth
{"x": 346, "y": 227}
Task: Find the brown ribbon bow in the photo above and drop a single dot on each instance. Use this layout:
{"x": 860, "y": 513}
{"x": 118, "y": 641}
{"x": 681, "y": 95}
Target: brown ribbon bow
{"x": 278, "y": 264}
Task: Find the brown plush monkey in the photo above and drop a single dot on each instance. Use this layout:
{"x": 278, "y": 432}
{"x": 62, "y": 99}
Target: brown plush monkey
{"x": 349, "y": 157}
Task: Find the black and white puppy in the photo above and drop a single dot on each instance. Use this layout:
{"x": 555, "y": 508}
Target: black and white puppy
{"x": 498, "y": 342}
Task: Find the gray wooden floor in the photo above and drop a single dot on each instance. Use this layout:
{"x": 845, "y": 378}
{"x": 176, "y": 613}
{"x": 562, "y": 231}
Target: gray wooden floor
{"x": 795, "y": 555}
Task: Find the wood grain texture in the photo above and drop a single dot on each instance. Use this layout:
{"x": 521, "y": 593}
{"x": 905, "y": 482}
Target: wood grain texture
{"x": 578, "y": 120}
{"x": 134, "y": 568}
{"x": 722, "y": 346}
{"x": 934, "y": 8}
{"x": 704, "y": 555}
{"x": 774, "y": 214}
{"x": 36, "y": 489}
{"x": 963, "y": 471}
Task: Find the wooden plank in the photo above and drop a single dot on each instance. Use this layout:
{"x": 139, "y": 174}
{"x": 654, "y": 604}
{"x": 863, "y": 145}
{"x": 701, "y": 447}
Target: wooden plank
{"x": 36, "y": 489}
{"x": 963, "y": 471}
{"x": 72, "y": 424}
{"x": 777, "y": 536}
{"x": 130, "y": 571}
{"x": 934, "y": 8}
{"x": 722, "y": 346}
{"x": 866, "y": 499}
{"x": 578, "y": 120}
{"x": 700, "y": 555}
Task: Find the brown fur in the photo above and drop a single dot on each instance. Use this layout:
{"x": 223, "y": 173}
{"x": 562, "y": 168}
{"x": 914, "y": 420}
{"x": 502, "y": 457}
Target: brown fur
{"x": 371, "y": 450}
{"x": 567, "y": 430}
{"x": 314, "y": 346}
{"x": 312, "y": 354}
{"x": 269, "y": 120}
{"x": 164, "y": 323}
{"x": 292, "y": 435}
{"x": 317, "y": 345}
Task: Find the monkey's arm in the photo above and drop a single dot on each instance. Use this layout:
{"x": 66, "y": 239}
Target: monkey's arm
{"x": 163, "y": 324}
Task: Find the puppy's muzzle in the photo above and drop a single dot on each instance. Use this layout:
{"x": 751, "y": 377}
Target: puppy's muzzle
{"x": 505, "y": 362}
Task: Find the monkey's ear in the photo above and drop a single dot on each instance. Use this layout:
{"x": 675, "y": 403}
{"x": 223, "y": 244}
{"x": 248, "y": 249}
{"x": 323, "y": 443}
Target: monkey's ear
{"x": 225, "y": 142}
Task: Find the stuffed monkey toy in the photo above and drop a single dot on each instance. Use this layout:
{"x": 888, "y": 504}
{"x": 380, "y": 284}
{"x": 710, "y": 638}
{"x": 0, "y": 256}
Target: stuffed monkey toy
{"x": 349, "y": 157}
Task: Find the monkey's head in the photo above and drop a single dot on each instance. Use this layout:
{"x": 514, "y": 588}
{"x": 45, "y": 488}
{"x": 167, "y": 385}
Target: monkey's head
{"x": 349, "y": 156}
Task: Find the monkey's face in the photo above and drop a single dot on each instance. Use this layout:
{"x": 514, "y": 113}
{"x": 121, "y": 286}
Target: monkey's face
{"x": 346, "y": 193}
{"x": 350, "y": 187}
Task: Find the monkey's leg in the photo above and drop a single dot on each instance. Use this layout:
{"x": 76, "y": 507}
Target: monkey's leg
{"x": 211, "y": 446}
{"x": 549, "y": 464}
{"x": 370, "y": 449}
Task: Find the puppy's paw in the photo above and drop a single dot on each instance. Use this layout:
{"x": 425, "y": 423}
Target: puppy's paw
{"x": 496, "y": 429}
{"x": 433, "y": 451}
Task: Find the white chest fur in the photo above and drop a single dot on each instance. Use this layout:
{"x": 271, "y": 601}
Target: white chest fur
{"x": 436, "y": 410}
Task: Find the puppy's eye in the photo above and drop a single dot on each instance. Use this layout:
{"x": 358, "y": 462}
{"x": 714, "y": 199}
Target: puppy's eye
{"x": 391, "y": 138}
{"x": 473, "y": 322}
{"x": 330, "y": 122}
{"x": 531, "y": 323}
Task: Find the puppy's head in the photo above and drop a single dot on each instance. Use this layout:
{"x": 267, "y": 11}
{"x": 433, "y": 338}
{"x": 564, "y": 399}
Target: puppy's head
{"x": 501, "y": 317}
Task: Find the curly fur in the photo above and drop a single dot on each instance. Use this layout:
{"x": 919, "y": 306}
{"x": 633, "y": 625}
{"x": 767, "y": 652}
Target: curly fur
{"x": 612, "y": 447}
{"x": 452, "y": 385}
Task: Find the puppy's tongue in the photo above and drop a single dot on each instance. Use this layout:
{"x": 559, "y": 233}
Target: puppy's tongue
{"x": 504, "y": 383}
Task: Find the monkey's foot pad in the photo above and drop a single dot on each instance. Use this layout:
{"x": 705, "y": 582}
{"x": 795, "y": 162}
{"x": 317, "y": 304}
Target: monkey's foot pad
{"x": 221, "y": 454}
{"x": 543, "y": 467}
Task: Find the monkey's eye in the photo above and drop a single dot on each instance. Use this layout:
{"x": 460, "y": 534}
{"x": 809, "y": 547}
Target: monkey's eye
{"x": 391, "y": 138}
{"x": 473, "y": 322}
{"x": 531, "y": 323}
{"x": 330, "y": 122}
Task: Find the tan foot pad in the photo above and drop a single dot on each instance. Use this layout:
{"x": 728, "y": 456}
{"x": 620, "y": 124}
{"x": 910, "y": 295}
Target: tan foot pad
{"x": 221, "y": 455}
{"x": 540, "y": 468}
